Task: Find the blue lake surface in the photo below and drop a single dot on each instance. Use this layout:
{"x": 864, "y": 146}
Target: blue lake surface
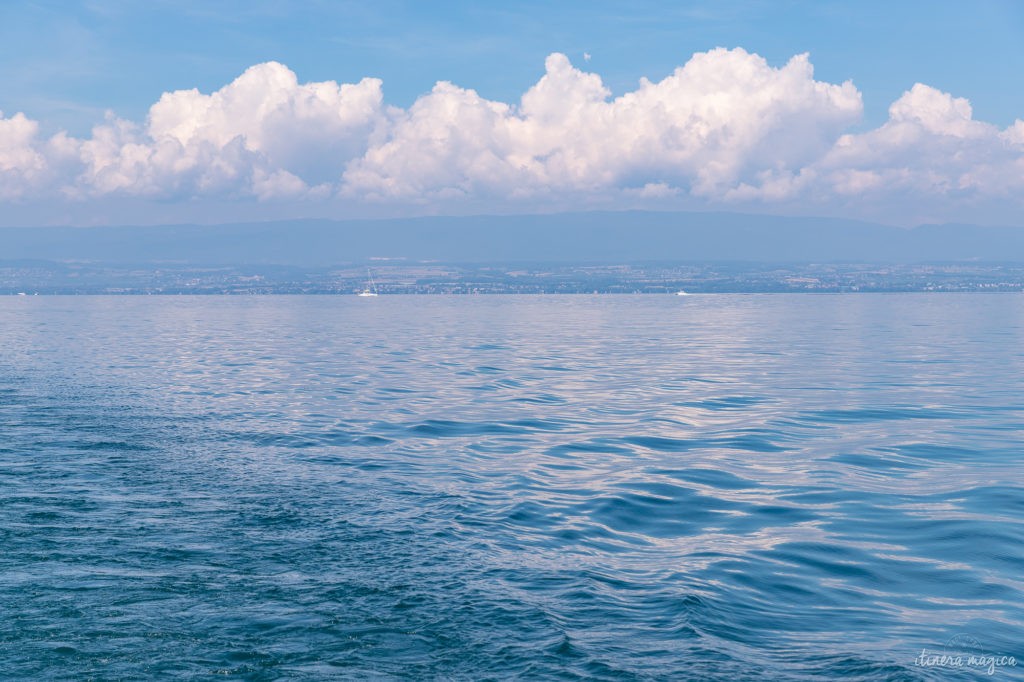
{"x": 542, "y": 487}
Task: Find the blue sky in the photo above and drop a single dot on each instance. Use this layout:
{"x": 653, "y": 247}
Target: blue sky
{"x": 74, "y": 65}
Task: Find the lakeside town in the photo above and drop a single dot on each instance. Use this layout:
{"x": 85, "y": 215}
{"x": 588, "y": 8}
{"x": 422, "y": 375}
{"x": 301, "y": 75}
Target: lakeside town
{"x": 403, "y": 277}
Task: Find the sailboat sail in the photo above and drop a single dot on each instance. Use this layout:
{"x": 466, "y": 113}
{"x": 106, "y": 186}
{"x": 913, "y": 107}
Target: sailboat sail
{"x": 371, "y": 287}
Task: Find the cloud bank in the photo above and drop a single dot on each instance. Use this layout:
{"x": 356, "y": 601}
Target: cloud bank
{"x": 726, "y": 129}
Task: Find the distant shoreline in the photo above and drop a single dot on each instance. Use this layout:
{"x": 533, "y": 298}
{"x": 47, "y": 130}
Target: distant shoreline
{"x": 423, "y": 278}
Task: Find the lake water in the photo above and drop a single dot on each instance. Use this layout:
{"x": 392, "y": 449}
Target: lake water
{"x": 545, "y": 487}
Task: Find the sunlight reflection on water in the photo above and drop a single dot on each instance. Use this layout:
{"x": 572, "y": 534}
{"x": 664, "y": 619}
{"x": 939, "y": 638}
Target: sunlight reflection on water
{"x": 600, "y": 487}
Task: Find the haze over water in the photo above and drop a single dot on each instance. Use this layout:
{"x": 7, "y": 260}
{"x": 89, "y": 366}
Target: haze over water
{"x": 570, "y": 487}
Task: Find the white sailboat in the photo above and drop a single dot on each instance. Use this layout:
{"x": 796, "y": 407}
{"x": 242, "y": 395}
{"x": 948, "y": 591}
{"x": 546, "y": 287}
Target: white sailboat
{"x": 371, "y": 288}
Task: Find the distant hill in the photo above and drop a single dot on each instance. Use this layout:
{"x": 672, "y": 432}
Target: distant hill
{"x": 631, "y": 236}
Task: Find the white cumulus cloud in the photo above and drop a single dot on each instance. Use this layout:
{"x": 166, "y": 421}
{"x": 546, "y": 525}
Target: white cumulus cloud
{"x": 726, "y": 128}
{"x": 264, "y": 134}
{"x": 930, "y": 147}
{"x": 929, "y": 160}
{"x": 722, "y": 117}
{"x": 29, "y": 163}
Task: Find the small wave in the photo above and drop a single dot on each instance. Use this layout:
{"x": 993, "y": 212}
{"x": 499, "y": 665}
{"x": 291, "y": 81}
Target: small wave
{"x": 871, "y": 414}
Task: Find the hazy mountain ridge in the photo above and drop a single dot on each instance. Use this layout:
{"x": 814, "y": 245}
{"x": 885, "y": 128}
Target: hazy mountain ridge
{"x": 632, "y": 236}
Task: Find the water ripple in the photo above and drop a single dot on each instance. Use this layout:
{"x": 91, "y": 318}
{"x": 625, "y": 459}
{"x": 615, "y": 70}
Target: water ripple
{"x": 589, "y": 488}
